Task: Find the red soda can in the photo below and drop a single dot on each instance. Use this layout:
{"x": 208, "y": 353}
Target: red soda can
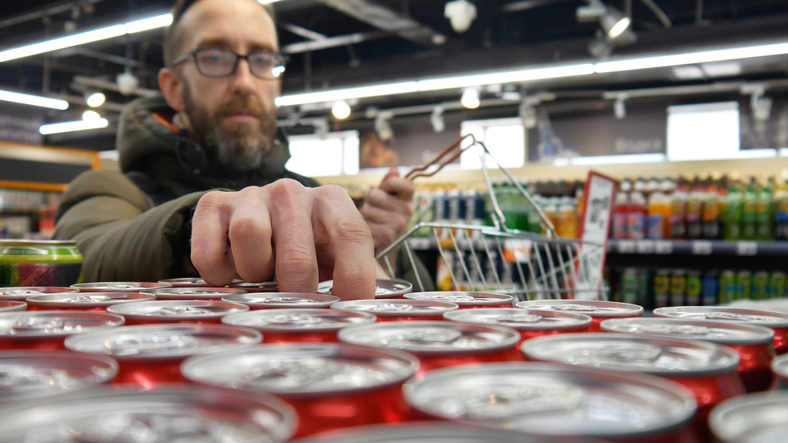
{"x": 283, "y": 300}
{"x": 330, "y": 385}
{"x": 529, "y": 323}
{"x": 598, "y": 310}
{"x": 752, "y": 343}
{"x": 174, "y": 414}
{"x": 11, "y": 305}
{"x": 466, "y": 300}
{"x": 189, "y": 282}
{"x": 780, "y": 369}
{"x": 383, "y": 288}
{"x": 439, "y": 344}
{"x": 21, "y": 294}
{"x": 753, "y": 418}
{"x": 777, "y": 321}
{"x": 91, "y": 301}
{"x": 426, "y": 432}
{"x": 399, "y": 310}
{"x": 194, "y": 293}
{"x": 151, "y": 355}
{"x": 46, "y": 330}
{"x": 198, "y": 312}
{"x": 299, "y": 325}
{"x": 25, "y": 375}
{"x": 266, "y": 286}
{"x": 707, "y": 369}
{"x": 557, "y": 401}
{"x": 118, "y": 286}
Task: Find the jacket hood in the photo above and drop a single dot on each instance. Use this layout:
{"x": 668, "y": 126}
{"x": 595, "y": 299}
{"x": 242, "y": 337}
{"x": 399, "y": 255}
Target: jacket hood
{"x": 146, "y": 144}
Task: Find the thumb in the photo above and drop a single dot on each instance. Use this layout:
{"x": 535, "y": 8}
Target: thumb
{"x": 393, "y": 172}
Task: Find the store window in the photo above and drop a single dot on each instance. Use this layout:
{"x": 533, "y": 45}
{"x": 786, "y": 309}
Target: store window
{"x": 312, "y": 156}
{"x": 703, "y": 132}
{"x": 504, "y": 138}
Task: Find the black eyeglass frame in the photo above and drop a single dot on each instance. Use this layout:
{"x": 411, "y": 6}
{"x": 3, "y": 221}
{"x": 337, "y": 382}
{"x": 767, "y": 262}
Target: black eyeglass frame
{"x": 194, "y": 53}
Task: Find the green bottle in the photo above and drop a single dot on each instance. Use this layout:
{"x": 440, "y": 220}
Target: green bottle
{"x": 749, "y": 213}
{"x": 731, "y": 208}
{"x": 765, "y": 214}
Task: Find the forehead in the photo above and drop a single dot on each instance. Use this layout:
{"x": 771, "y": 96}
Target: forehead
{"x": 240, "y": 24}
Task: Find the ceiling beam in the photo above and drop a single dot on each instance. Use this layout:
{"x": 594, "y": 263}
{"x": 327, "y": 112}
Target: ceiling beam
{"x": 41, "y": 12}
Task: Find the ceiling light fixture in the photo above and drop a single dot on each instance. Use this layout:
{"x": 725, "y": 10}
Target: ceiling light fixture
{"x": 470, "y": 98}
{"x": 95, "y": 99}
{"x": 612, "y": 21}
{"x": 341, "y": 110}
{"x": 437, "y": 120}
{"x": 79, "y": 125}
{"x": 461, "y": 14}
{"x": 33, "y": 100}
{"x": 91, "y": 115}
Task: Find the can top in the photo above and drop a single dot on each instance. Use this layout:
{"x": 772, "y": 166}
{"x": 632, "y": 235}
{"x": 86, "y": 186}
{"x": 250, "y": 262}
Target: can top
{"x": 28, "y": 374}
{"x": 758, "y": 317}
{"x": 635, "y": 353}
{"x": 780, "y": 366}
{"x": 87, "y": 299}
{"x": 397, "y": 308}
{"x": 177, "y": 310}
{"x": 383, "y": 288}
{"x": 522, "y": 319}
{"x": 40, "y": 243}
{"x": 431, "y": 432}
{"x": 464, "y": 298}
{"x": 12, "y": 305}
{"x": 752, "y": 418}
{"x": 714, "y": 331}
{"x": 592, "y": 308}
{"x": 299, "y": 321}
{"x": 302, "y": 369}
{"x": 162, "y": 342}
{"x": 21, "y": 293}
{"x": 557, "y": 400}
{"x": 39, "y": 324}
{"x": 287, "y": 300}
{"x": 119, "y": 286}
{"x": 185, "y": 282}
{"x": 172, "y": 414}
{"x": 432, "y": 337}
{"x": 266, "y": 286}
{"x": 193, "y": 293}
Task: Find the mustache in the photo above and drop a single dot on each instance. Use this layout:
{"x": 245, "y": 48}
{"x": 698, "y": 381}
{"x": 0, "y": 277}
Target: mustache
{"x": 241, "y": 105}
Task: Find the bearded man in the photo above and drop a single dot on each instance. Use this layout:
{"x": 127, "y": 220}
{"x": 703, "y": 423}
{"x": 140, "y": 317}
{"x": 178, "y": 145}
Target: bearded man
{"x": 204, "y": 186}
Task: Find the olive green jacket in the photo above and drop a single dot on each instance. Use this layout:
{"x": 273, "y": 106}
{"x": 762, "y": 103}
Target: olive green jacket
{"x": 126, "y": 234}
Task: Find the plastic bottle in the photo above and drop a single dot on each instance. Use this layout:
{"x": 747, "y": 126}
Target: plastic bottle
{"x": 678, "y": 209}
{"x": 620, "y": 212}
{"x": 712, "y": 206}
{"x": 551, "y": 211}
{"x": 732, "y": 211}
{"x": 749, "y": 213}
{"x": 657, "y": 225}
{"x": 636, "y": 216}
{"x": 694, "y": 214}
{"x": 567, "y": 219}
{"x": 781, "y": 212}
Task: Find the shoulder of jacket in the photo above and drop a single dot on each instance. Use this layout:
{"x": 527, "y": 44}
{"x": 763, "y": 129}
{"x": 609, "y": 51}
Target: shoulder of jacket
{"x": 101, "y": 183}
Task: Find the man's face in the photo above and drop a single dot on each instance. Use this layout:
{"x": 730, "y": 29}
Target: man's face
{"x": 233, "y": 117}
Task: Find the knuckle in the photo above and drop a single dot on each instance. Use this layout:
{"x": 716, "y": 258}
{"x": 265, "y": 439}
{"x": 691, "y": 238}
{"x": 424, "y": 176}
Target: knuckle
{"x": 285, "y": 188}
{"x": 354, "y": 231}
{"x": 211, "y": 199}
{"x": 296, "y": 262}
{"x": 335, "y": 192}
{"x": 246, "y": 228}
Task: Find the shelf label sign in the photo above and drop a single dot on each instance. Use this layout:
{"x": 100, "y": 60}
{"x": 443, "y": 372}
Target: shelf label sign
{"x": 701, "y": 247}
{"x": 594, "y": 232}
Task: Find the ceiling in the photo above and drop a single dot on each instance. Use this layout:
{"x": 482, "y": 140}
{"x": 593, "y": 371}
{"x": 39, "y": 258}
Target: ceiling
{"x": 344, "y": 43}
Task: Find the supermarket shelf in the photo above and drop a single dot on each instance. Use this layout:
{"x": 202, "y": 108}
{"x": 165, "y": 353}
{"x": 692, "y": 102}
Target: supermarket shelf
{"x": 698, "y": 247}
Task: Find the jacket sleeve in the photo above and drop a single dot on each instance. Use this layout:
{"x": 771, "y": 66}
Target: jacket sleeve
{"x": 119, "y": 238}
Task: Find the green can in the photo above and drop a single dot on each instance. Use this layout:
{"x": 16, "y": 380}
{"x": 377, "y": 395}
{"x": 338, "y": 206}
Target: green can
{"x": 629, "y": 285}
{"x": 678, "y": 287}
{"x": 39, "y": 263}
{"x": 694, "y": 288}
{"x": 760, "y": 286}
{"x": 662, "y": 288}
{"x": 727, "y": 287}
{"x": 777, "y": 285}
{"x": 743, "y": 285}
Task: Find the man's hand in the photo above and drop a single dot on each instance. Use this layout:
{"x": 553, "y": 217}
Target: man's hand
{"x": 304, "y": 235}
{"x": 388, "y": 210}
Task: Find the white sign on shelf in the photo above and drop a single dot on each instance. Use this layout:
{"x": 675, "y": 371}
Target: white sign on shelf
{"x": 594, "y": 231}
{"x": 746, "y": 248}
{"x": 701, "y": 247}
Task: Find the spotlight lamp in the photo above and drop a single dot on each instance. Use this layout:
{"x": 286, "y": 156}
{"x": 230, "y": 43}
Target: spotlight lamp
{"x": 612, "y": 21}
{"x": 383, "y": 126}
{"x": 341, "y": 110}
{"x": 437, "y": 120}
{"x": 95, "y": 99}
{"x": 470, "y": 98}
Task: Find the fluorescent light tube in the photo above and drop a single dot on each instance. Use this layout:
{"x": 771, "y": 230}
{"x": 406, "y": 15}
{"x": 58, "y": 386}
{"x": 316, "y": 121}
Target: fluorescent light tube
{"x": 347, "y": 94}
{"x": 506, "y": 77}
{"x": 693, "y": 58}
{"x": 33, "y": 100}
{"x": 146, "y": 24}
{"x": 610, "y": 160}
{"x": 79, "y": 125}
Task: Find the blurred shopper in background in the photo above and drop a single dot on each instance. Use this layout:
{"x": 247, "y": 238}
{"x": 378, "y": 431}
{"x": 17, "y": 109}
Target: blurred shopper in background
{"x": 204, "y": 186}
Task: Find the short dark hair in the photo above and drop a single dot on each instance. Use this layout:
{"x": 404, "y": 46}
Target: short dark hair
{"x": 173, "y": 40}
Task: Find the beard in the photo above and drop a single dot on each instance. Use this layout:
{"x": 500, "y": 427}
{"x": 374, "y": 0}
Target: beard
{"x": 235, "y": 146}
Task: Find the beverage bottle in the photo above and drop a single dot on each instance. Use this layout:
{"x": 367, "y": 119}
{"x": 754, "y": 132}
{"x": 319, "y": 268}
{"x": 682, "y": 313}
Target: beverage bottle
{"x": 640, "y": 185}
{"x": 658, "y": 214}
{"x": 636, "y": 216}
{"x": 781, "y": 212}
{"x": 567, "y": 219}
{"x": 551, "y": 211}
{"x": 620, "y": 211}
{"x": 652, "y": 185}
{"x": 765, "y": 213}
{"x": 711, "y": 212}
{"x": 749, "y": 211}
{"x": 694, "y": 214}
{"x": 678, "y": 210}
{"x": 731, "y": 208}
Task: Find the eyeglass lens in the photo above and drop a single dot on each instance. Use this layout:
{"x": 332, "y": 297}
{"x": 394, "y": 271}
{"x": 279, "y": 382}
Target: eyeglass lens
{"x": 221, "y": 62}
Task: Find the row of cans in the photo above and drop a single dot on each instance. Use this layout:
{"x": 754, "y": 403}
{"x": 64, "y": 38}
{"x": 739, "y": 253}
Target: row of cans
{"x": 656, "y": 288}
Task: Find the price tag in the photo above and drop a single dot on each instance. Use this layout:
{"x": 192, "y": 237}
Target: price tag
{"x": 645, "y": 247}
{"x": 746, "y": 248}
{"x": 701, "y": 247}
{"x": 663, "y": 247}
{"x": 627, "y": 247}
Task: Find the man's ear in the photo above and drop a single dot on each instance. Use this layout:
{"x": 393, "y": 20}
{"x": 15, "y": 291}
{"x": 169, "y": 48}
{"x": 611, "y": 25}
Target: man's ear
{"x": 172, "y": 88}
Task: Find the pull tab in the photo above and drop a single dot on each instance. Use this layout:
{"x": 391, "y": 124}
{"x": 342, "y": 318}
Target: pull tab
{"x": 289, "y": 373}
{"x": 21, "y": 378}
{"x": 505, "y": 402}
{"x": 431, "y": 336}
{"x": 390, "y": 307}
{"x": 730, "y": 316}
{"x": 293, "y": 300}
{"x": 516, "y": 319}
{"x": 182, "y": 311}
{"x": 630, "y": 354}
{"x": 676, "y": 329}
{"x": 122, "y": 287}
{"x": 295, "y": 320}
{"x": 40, "y": 324}
{"x": 448, "y": 297}
{"x": 23, "y": 292}
{"x": 151, "y": 344}
{"x": 89, "y": 299}
{"x": 575, "y": 307}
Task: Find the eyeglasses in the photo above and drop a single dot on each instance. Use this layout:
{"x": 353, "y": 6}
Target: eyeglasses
{"x": 218, "y": 62}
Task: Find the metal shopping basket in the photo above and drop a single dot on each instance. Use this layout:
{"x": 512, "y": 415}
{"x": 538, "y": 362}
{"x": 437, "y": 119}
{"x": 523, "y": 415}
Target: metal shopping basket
{"x": 501, "y": 259}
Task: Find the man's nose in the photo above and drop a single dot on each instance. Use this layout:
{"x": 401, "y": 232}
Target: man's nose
{"x": 243, "y": 80}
